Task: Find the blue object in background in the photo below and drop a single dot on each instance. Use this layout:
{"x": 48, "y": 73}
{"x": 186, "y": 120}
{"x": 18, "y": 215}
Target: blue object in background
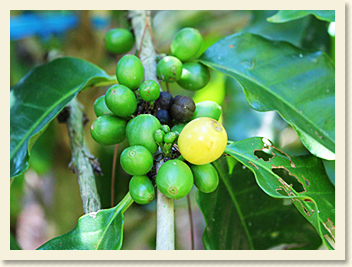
{"x": 45, "y": 25}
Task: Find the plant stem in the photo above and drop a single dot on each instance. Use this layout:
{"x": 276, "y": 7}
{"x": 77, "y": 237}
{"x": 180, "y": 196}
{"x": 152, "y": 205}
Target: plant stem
{"x": 165, "y": 236}
{"x": 190, "y": 220}
{"x": 82, "y": 161}
{"x": 165, "y": 222}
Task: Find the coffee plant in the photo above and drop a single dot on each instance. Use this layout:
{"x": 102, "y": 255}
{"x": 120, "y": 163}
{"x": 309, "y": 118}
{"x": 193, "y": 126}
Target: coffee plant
{"x": 175, "y": 143}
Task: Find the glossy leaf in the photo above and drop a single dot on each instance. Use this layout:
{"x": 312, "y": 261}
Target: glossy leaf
{"x": 307, "y": 32}
{"x": 239, "y": 215}
{"x": 40, "y": 96}
{"x": 292, "y": 32}
{"x": 288, "y": 15}
{"x": 301, "y": 179}
{"x": 102, "y": 230}
{"x": 299, "y": 84}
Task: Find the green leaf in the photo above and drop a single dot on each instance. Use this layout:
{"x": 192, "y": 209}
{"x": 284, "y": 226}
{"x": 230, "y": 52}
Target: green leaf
{"x": 301, "y": 179}
{"x": 292, "y": 32}
{"x": 239, "y": 215}
{"x": 40, "y": 96}
{"x": 13, "y": 243}
{"x": 288, "y": 15}
{"x": 102, "y": 230}
{"x": 299, "y": 84}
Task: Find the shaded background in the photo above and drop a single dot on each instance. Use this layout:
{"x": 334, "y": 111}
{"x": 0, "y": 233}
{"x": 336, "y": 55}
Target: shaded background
{"x": 45, "y": 200}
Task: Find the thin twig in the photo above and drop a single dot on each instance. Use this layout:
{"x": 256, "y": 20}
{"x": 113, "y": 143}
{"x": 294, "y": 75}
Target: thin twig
{"x": 152, "y": 36}
{"x": 141, "y": 44}
{"x": 82, "y": 160}
{"x": 168, "y": 87}
{"x": 190, "y": 220}
{"x": 113, "y": 176}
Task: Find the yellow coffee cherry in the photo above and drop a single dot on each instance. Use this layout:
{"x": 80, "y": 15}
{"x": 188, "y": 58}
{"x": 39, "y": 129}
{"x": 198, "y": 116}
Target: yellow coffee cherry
{"x": 202, "y": 141}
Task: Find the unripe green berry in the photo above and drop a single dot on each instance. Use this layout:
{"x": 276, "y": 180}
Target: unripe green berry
{"x": 170, "y": 137}
{"x": 121, "y": 100}
{"x": 165, "y": 128}
{"x": 100, "y": 107}
{"x": 186, "y": 44}
{"x": 159, "y": 136}
{"x": 119, "y": 41}
{"x": 149, "y": 90}
{"x": 130, "y": 71}
{"x": 169, "y": 69}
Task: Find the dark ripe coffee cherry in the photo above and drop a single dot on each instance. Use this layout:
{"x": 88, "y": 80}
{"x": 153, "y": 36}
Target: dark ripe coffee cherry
{"x": 163, "y": 116}
{"x": 136, "y": 160}
{"x": 195, "y": 76}
{"x": 149, "y": 90}
{"x": 164, "y": 101}
{"x": 119, "y": 41}
{"x": 100, "y": 107}
{"x": 186, "y": 44}
{"x": 169, "y": 69}
{"x": 108, "y": 130}
{"x": 130, "y": 71}
{"x": 183, "y": 108}
{"x": 141, "y": 189}
{"x": 121, "y": 100}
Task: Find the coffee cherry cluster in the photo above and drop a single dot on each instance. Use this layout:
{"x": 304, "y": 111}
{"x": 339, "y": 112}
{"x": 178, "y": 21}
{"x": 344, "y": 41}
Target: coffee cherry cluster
{"x": 180, "y": 66}
{"x": 188, "y": 135}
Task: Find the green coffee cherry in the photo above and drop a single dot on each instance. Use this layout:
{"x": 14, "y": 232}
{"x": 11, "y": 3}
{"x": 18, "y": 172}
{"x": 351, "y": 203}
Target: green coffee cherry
{"x": 121, "y": 100}
{"x": 186, "y": 44}
{"x": 174, "y": 179}
{"x": 170, "y": 137}
{"x": 141, "y": 189}
{"x": 108, "y": 130}
{"x": 208, "y": 109}
{"x": 119, "y": 41}
{"x": 177, "y": 128}
{"x": 130, "y": 71}
{"x": 100, "y": 107}
{"x": 165, "y": 128}
{"x": 140, "y": 131}
{"x": 136, "y": 160}
{"x": 195, "y": 76}
{"x": 206, "y": 178}
{"x": 169, "y": 69}
{"x": 149, "y": 90}
{"x": 159, "y": 136}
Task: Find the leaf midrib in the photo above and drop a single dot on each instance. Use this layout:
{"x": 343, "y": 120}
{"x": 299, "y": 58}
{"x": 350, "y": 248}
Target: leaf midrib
{"x": 31, "y": 129}
{"x": 233, "y": 197}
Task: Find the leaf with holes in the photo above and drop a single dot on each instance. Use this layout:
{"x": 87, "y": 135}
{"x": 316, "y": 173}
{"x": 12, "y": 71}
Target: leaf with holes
{"x": 239, "y": 215}
{"x": 40, "y": 96}
{"x": 102, "y": 230}
{"x": 278, "y": 76}
{"x": 301, "y": 179}
{"x": 288, "y": 15}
